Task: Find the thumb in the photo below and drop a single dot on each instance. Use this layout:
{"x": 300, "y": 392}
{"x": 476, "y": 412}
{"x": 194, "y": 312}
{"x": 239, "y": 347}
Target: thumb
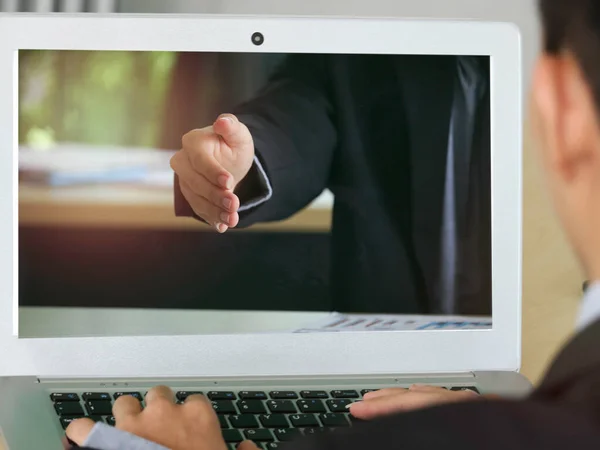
{"x": 78, "y": 430}
{"x": 232, "y": 131}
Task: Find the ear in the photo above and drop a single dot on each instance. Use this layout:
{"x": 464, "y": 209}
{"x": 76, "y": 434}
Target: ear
{"x": 545, "y": 105}
{"x": 566, "y": 115}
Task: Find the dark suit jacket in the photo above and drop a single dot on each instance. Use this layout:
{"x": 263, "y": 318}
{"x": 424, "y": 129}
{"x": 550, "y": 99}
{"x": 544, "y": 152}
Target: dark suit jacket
{"x": 563, "y": 414}
{"x": 374, "y": 130}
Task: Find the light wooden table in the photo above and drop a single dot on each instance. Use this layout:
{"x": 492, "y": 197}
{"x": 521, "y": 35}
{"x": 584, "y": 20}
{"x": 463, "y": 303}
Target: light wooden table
{"x": 140, "y": 207}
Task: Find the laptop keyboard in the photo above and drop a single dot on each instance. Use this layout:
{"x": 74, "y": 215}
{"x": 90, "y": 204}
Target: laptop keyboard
{"x": 267, "y": 418}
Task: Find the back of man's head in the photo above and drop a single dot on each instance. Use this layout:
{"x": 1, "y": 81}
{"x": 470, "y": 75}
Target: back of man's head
{"x": 566, "y": 118}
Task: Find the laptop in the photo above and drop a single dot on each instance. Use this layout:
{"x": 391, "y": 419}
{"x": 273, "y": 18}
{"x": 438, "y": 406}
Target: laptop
{"x": 105, "y": 292}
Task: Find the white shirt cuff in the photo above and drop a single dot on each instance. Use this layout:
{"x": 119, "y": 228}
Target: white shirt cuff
{"x": 589, "y": 311}
{"x": 264, "y": 183}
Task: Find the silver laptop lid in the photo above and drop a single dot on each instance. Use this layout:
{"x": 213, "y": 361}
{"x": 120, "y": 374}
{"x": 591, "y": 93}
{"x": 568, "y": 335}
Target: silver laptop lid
{"x": 380, "y": 210}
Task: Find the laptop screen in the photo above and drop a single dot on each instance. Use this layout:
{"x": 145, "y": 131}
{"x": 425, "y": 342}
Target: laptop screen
{"x": 363, "y": 184}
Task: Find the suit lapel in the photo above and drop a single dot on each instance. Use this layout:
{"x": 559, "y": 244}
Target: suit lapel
{"x": 576, "y": 359}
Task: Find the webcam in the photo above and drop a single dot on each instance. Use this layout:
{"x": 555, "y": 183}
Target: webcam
{"x": 258, "y": 38}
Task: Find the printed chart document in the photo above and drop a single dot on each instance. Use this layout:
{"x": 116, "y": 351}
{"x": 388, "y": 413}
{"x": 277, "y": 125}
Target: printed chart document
{"x": 337, "y": 322}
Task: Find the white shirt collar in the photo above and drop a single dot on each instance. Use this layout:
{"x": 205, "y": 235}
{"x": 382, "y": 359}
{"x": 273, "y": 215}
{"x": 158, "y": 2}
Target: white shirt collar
{"x": 589, "y": 311}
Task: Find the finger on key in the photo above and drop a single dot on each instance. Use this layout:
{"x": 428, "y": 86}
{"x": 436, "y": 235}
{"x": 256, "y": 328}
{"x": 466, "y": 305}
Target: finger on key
{"x": 384, "y": 393}
{"x": 159, "y": 393}
{"x": 426, "y": 388}
{"x": 200, "y": 404}
{"x": 78, "y": 430}
{"x": 247, "y": 445}
{"x": 125, "y": 406}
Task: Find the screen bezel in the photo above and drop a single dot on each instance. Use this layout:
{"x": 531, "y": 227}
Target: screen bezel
{"x": 288, "y": 354}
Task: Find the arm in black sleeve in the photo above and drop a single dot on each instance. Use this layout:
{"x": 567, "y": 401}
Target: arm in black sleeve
{"x": 470, "y": 426}
{"x": 292, "y": 124}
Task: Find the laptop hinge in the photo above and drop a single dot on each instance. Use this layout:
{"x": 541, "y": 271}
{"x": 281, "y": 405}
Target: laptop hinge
{"x": 243, "y": 380}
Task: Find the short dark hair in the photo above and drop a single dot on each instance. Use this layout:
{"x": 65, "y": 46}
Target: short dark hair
{"x": 574, "y": 25}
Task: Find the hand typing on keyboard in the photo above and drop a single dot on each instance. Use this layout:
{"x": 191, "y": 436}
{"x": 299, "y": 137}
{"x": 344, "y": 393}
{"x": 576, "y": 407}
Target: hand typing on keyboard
{"x": 394, "y": 400}
{"x": 222, "y": 420}
{"x": 192, "y": 424}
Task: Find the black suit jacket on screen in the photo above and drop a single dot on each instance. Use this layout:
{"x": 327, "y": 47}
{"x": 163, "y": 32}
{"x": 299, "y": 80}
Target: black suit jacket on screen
{"x": 374, "y": 130}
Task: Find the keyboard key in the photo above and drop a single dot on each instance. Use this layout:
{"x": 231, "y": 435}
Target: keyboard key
{"x": 183, "y": 395}
{"x": 64, "y": 397}
{"x": 344, "y": 394}
{"x": 261, "y": 435}
{"x": 287, "y": 434}
{"x": 223, "y": 422}
{"x": 304, "y": 420}
{"x": 366, "y": 391}
{"x": 216, "y": 395}
{"x": 281, "y": 406}
{"x": 334, "y": 420}
{"x": 273, "y": 421}
{"x": 101, "y": 408}
{"x": 315, "y": 430}
{"x": 311, "y": 406}
{"x": 232, "y": 436}
{"x": 66, "y": 420}
{"x": 314, "y": 394}
{"x": 251, "y": 407}
{"x": 96, "y": 396}
{"x": 252, "y": 395}
{"x": 224, "y": 407}
{"x": 96, "y": 418}
{"x": 272, "y": 445}
{"x": 354, "y": 420}
{"x": 338, "y": 405}
{"x": 111, "y": 420}
{"x": 133, "y": 394}
{"x": 465, "y": 388}
{"x": 243, "y": 421}
{"x": 69, "y": 409}
{"x": 283, "y": 395}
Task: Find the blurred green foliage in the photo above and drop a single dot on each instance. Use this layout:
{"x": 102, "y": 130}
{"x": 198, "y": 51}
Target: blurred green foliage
{"x": 106, "y": 98}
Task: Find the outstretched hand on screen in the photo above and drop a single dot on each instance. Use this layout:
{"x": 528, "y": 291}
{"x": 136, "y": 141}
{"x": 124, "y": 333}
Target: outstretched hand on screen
{"x": 212, "y": 161}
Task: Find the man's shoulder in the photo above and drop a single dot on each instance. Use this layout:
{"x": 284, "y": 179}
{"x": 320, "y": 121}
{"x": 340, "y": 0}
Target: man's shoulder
{"x": 579, "y": 359}
{"x": 518, "y": 425}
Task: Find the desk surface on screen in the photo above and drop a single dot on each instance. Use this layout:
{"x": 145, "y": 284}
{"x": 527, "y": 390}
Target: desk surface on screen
{"x": 37, "y": 322}
{"x": 145, "y": 203}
